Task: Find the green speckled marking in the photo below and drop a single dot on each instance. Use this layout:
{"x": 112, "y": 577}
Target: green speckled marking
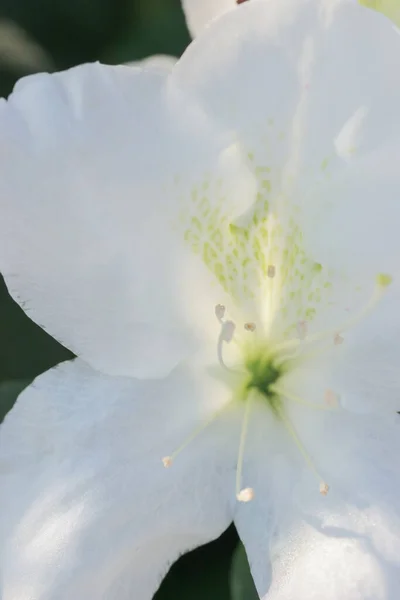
{"x": 239, "y": 254}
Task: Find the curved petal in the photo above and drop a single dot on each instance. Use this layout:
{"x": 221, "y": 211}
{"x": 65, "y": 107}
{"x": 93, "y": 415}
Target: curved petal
{"x": 160, "y": 62}
{"x": 362, "y": 209}
{"x": 365, "y": 372}
{"x": 363, "y": 368}
{"x": 88, "y": 234}
{"x": 344, "y": 546}
{"x": 316, "y": 107}
{"x": 88, "y": 510}
{"x": 199, "y": 13}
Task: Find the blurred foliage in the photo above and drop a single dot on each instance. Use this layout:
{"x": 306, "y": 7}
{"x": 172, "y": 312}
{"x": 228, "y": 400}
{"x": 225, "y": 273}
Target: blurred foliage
{"x": 48, "y": 35}
{"x": 241, "y": 582}
{"x": 9, "y": 391}
{"x": 202, "y": 574}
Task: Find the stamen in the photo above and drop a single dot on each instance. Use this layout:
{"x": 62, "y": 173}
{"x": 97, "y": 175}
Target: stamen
{"x": 331, "y": 399}
{"x": 305, "y": 355}
{"x": 271, "y": 272}
{"x": 250, "y": 327}
{"x": 383, "y": 280}
{"x": 168, "y": 460}
{"x": 323, "y": 487}
{"x": 338, "y": 339}
{"x": 289, "y": 396}
{"x": 245, "y": 494}
{"x": 382, "y": 283}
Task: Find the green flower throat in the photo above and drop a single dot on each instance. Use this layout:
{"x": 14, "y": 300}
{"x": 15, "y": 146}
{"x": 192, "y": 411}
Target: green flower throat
{"x": 264, "y": 372}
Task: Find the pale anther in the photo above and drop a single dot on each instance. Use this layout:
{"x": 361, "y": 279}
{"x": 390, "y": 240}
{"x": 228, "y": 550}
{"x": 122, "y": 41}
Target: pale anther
{"x": 302, "y": 329}
{"x": 338, "y": 339}
{"x": 323, "y": 488}
{"x": 220, "y": 311}
{"x": 167, "y": 461}
{"x": 245, "y": 495}
{"x": 331, "y": 399}
{"x": 271, "y": 271}
{"x": 227, "y": 331}
{"x": 250, "y": 327}
{"x": 383, "y": 280}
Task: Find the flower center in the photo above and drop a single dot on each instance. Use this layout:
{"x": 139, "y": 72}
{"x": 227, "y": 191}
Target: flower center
{"x": 264, "y": 373}
{"x": 261, "y": 265}
{"x": 263, "y": 378}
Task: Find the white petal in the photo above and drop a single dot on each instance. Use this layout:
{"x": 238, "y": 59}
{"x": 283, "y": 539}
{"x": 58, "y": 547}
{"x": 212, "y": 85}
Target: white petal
{"x": 92, "y": 166}
{"x": 362, "y": 369}
{"x": 160, "y": 62}
{"x": 362, "y": 209}
{"x": 344, "y": 546}
{"x": 200, "y": 12}
{"x": 365, "y": 370}
{"x": 88, "y": 510}
{"x": 316, "y": 106}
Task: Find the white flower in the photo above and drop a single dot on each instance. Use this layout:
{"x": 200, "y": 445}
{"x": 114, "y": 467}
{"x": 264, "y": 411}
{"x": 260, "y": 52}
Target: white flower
{"x": 220, "y": 247}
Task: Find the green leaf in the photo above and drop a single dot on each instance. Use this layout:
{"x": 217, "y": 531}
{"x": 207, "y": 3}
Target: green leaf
{"x": 9, "y": 392}
{"x": 241, "y": 581}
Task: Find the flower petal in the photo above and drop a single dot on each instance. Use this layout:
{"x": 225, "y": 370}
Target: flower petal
{"x": 88, "y": 510}
{"x": 317, "y": 105}
{"x": 362, "y": 209}
{"x": 160, "y": 62}
{"x": 344, "y": 546}
{"x": 364, "y": 370}
{"x": 200, "y": 12}
{"x": 90, "y": 238}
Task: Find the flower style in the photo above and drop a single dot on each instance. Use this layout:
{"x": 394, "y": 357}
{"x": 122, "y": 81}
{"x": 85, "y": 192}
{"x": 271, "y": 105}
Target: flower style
{"x": 219, "y": 246}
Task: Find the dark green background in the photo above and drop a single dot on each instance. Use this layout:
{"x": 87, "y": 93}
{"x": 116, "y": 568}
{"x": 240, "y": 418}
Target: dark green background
{"x": 66, "y": 33}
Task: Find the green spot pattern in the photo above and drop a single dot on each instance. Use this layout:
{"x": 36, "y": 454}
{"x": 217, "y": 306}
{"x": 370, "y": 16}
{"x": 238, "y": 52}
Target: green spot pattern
{"x": 238, "y": 253}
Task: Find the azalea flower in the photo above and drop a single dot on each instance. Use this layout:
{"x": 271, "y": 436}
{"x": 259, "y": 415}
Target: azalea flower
{"x": 219, "y": 246}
